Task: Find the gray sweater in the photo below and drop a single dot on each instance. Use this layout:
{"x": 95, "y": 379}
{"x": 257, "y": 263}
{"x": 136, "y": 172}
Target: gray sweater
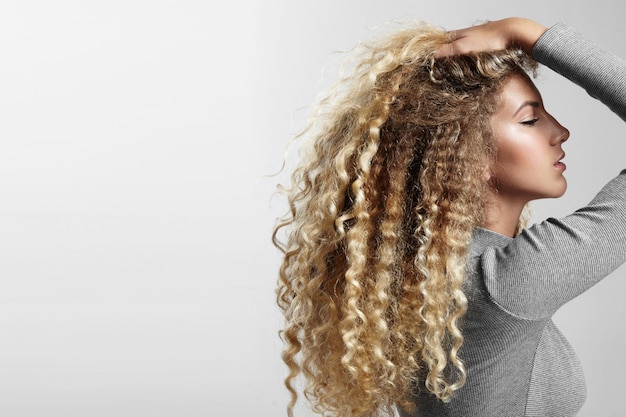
{"x": 518, "y": 363}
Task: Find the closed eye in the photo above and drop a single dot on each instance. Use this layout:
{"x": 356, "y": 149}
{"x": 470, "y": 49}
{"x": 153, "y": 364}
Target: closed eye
{"x": 531, "y": 122}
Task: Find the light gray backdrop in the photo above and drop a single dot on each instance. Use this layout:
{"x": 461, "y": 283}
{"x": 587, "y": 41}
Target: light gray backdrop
{"x": 136, "y": 271}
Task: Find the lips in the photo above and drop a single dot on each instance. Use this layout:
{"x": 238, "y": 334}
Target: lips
{"x": 559, "y": 164}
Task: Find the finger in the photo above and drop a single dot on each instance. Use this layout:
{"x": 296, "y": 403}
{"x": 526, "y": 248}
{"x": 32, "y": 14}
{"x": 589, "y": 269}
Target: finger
{"x": 450, "y": 48}
{"x": 444, "y": 51}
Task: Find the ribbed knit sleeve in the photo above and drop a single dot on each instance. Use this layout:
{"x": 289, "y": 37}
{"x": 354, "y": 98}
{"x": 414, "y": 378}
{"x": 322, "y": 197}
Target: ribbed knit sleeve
{"x": 575, "y": 57}
{"x": 554, "y": 261}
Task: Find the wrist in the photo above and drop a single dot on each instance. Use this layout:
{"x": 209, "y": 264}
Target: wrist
{"x": 525, "y": 32}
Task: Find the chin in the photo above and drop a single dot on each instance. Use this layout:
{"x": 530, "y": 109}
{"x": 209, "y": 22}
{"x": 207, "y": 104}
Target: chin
{"x": 561, "y": 189}
{"x": 564, "y": 188}
{"x": 551, "y": 194}
{"x": 561, "y": 192}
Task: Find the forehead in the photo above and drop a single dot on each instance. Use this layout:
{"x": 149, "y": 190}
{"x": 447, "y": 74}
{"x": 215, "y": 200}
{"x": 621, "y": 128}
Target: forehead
{"x": 517, "y": 89}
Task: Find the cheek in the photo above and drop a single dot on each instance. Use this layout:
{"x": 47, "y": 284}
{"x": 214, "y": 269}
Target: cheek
{"x": 517, "y": 157}
{"x": 512, "y": 156}
{"x": 515, "y": 147}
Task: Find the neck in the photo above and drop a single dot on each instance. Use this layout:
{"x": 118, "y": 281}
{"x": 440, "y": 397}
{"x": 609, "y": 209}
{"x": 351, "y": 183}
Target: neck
{"x": 502, "y": 213}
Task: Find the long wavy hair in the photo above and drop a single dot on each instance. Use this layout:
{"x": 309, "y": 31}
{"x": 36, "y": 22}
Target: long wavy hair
{"x": 382, "y": 209}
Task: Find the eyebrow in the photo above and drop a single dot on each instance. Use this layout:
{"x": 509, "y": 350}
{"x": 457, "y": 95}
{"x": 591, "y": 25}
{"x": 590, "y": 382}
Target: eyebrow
{"x": 531, "y": 103}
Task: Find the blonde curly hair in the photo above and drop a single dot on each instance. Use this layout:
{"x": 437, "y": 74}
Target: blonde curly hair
{"x": 382, "y": 209}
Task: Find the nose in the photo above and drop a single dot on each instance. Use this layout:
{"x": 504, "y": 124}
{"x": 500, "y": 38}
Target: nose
{"x": 559, "y": 133}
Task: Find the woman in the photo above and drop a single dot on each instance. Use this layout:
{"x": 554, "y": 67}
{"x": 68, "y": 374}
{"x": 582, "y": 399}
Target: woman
{"x": 408, "y": 279}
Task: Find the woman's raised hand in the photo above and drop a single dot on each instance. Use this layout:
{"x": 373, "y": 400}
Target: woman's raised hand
{"x": 498, "y": 34}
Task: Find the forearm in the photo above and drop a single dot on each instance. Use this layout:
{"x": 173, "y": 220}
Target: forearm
{"x": 524, "y": 32}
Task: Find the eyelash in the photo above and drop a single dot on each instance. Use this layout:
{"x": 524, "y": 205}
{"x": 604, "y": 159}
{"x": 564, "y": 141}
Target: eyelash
{"x": 530, "y": 122}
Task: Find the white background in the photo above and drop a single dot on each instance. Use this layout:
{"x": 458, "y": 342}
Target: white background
{"x": 137, "y": 140}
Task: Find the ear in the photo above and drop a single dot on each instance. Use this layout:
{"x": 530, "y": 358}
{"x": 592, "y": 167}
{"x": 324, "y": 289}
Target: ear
{"x": 487, "y": 174}
{"x": 490, "y": 177}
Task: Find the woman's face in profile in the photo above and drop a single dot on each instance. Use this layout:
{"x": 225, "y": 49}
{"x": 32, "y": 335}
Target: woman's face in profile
{"x": 528, "y": 163}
